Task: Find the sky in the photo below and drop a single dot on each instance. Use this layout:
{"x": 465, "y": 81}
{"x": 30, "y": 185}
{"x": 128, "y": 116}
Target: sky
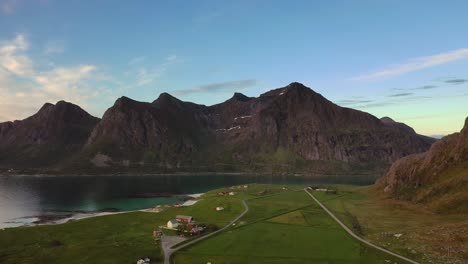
{"x": 404, "y": 59}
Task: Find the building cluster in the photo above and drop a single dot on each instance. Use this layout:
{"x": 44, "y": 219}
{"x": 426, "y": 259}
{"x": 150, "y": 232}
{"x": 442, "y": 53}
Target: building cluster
{"x": 186, "y": 224}
{"x": 144, "y": 261}
{"x": 226, "y": 193}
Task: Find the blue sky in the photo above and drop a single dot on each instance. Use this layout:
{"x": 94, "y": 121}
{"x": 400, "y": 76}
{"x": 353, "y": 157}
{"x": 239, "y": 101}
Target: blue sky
{"x": 403, "y": 59}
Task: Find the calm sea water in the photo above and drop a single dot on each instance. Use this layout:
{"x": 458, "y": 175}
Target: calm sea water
{"x": 23, "y": 198}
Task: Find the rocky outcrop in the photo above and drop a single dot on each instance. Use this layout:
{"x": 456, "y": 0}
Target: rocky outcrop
{"x": 437, "y": 178}
{"x": 54, "y": 133}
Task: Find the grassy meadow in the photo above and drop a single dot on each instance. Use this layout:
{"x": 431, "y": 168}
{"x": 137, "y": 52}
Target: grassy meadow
{"x": 284, "y": 228}
{"x": 425, "y": 236}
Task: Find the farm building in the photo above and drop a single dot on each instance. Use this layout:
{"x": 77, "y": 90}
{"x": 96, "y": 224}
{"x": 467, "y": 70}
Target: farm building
{"x": 184, "y": 218}
{"x": 219, "y": 208}
{"x": 321, "y": 190}
{"x": 172, "y": 224}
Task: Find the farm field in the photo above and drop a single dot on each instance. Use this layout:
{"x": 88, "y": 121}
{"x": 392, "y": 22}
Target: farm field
{"x": 285, "y": 228}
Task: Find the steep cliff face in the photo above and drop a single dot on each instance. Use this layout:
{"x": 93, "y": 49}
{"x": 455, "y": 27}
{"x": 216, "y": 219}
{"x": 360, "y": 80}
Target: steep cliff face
{"x": 52, "y": 134}
{"x": 437, "y": 178}
{"x": 162, "y": 130}
{"x": 287, "y": 125}
{"x": 299, "y": 119}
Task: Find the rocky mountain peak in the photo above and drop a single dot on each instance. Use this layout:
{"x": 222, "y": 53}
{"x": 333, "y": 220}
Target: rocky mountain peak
{"x": 123, "y": 101}
{"x": 387, "y": 120}
{"x": 465, "y": 127}
{"x": 240, "y": 97}
{"x": 397, "y": 125}
{"x": 166, "y": 98}
{"x": 55, "y": 132}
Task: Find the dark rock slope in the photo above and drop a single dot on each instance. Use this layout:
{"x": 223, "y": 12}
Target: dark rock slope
{"x": 287, "y": 129}
{"x": 53, "y": 134}
{"x": 437, "y": 178}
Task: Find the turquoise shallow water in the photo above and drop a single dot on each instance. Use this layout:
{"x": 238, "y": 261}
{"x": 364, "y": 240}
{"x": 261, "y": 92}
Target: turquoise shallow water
{"x": 23, "y": 197}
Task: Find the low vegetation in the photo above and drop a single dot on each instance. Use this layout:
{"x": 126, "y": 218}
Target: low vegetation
{"x": 403, "y": 227}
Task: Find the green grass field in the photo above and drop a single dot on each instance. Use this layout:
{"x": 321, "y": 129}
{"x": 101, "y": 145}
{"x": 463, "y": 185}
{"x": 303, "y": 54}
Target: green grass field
{"x": 285, "y": 228}
{"x": 120, "y": 238}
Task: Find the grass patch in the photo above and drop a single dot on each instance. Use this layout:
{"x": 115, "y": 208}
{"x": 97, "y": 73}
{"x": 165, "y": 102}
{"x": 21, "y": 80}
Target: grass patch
{"x": 293, "y": 218}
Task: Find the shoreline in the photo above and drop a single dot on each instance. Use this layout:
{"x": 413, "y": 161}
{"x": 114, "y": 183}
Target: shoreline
{"x": 301, "y": 175}
{"x": 82, "y": 215}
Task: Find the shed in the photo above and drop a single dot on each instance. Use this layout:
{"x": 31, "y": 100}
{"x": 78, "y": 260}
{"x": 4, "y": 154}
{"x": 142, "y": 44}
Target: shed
{"x": 173, "y": 224}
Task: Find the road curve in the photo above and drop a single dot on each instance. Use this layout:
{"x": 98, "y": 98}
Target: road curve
{"x": 170, "y": 251}
{"x": 356, "y": 236}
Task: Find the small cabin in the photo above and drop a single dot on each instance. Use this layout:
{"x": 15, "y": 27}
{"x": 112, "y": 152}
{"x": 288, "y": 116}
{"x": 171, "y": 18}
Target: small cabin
{"x": 184, "y": 218}
{"x": 172, "y": 224}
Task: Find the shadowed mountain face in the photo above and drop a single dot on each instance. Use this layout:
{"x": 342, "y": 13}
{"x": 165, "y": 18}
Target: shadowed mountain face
{"x": 437, "y": 178}
{"x": 290, "y": 129}
{"x": 53, "y": 134}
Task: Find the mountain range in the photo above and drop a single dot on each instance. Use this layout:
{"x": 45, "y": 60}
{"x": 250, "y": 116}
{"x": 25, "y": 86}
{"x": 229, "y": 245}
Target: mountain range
{"x": 286, "y": 130}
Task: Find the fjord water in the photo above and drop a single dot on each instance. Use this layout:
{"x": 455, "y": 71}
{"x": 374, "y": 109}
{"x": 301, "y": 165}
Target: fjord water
{"x": 23, "y": 198}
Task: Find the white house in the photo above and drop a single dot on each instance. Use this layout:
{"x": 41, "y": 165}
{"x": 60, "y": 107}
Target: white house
{"x": 173, "y": 224}
{"x": 219, "y": 208}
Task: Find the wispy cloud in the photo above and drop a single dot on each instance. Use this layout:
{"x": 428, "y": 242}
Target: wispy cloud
{"x": 28, "y": 88}
{"x": 374, "y": 105}
{"x": 12, "y": 57}
{"x": 399, "y": 94}
{"x": 426, "y": 87}
{"x": 8, "y": 7}
{"x": 148, "y": 74}
{"x": 54, "y": 47}
{"x": 60, "y": 81}
{"x": 456, "y": 81}
{"x": 136, "y": 60}
{"x": 415, "y": 64}
{"x": 348, "y": 102}
{"x": 230, "y": 86}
